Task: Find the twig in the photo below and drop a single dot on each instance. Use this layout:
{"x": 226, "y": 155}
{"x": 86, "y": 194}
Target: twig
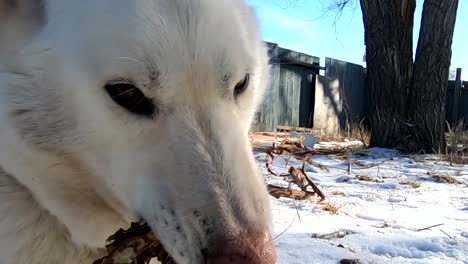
{"x": 429, "y": 227}
{"x": 287, "y": 228}
{"x": 334, "y": 235}
{"x": 289, "y": 159}
{"x": 136, "y": 245}
{"x": 318, "y": 164}
{"x": 279, "y": 192}
{"x": 350, "y": 163}
{"x": 368, "y": 166}
{"x": 446, "y": 234}
{"x": 269, "y": 169}
{"x": 297, "y": 211}
{"x": 312, "y": 184}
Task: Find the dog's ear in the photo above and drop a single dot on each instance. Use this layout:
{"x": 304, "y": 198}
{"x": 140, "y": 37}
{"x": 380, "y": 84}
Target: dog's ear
{"x": 19, "y": 19}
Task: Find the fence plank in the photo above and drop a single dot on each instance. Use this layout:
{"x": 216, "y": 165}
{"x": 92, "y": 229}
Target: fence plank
{"x": 266, "y": 117}
{"x": 456, "y": 96}
{"x": 352, "y": 87}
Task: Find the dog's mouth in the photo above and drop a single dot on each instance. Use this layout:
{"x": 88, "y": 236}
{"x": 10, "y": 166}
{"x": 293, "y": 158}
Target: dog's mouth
{"x": 138, "y": 244}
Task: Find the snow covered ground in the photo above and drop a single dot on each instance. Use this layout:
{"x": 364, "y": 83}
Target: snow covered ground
{"x": 381, "y": 218}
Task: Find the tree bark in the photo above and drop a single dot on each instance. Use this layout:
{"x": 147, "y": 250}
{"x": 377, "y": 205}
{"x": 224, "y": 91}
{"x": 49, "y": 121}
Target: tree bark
{"x": 388, "y": 28}
{"x": 431, "y": 72}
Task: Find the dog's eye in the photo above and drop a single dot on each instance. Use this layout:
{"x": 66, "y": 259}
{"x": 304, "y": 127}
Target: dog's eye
{"x": 131, "y": 98}
{"x": 242, "y": 85}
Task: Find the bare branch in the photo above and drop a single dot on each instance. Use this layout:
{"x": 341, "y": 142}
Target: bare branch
{"x": 330, "y": 9}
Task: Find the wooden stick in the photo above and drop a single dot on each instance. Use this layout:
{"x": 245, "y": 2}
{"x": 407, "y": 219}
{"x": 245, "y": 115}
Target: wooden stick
{"x": 279, "y": 192}
{"x": 312, "y": 184}
{"x": 429, "y": 227}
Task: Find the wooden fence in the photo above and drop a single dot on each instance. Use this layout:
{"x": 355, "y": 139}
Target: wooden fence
{"x": 289, "y": 99}
{"x": 298, "y": 96}
{"x": 457, "y": 100}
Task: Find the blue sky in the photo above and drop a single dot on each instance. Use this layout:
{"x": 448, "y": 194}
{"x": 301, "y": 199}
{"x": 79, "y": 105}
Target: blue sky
{"x": 304, "y": 26}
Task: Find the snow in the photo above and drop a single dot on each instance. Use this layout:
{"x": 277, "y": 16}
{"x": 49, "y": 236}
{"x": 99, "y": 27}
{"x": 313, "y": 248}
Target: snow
{"x": 384, "y": 220}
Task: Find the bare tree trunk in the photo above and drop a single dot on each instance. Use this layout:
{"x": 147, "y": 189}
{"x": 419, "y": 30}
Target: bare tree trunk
{"x": 389, "y": 54}
{"x": 431, "y": 72}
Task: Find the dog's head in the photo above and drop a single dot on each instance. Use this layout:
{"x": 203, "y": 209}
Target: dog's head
{"x": 155, "y": 99}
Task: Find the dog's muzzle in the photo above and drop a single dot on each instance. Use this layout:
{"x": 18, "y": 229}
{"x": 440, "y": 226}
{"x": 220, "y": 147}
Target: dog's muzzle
{"x": 254, "y": 248}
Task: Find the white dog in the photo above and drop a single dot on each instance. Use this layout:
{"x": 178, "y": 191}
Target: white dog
{"x": 116, "y": 110}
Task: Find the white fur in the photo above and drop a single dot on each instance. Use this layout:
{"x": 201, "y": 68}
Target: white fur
{"x": 75, "y": 166}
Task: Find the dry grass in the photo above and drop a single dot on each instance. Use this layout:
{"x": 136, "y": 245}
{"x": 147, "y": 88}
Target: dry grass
{"x": 457, "y": 144}
{"x": 365, "y": 178}
{"x": 412, "y": 183}
{"x": 338, "y": 193}
{"x": 352, "y": 132}
{"x": 417, "y": 158}
{"x": 456, "y": 158}
{"x": 442, "y": 177}
{"x": 331, "y": 208}
{"x": 358, "y": 131}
